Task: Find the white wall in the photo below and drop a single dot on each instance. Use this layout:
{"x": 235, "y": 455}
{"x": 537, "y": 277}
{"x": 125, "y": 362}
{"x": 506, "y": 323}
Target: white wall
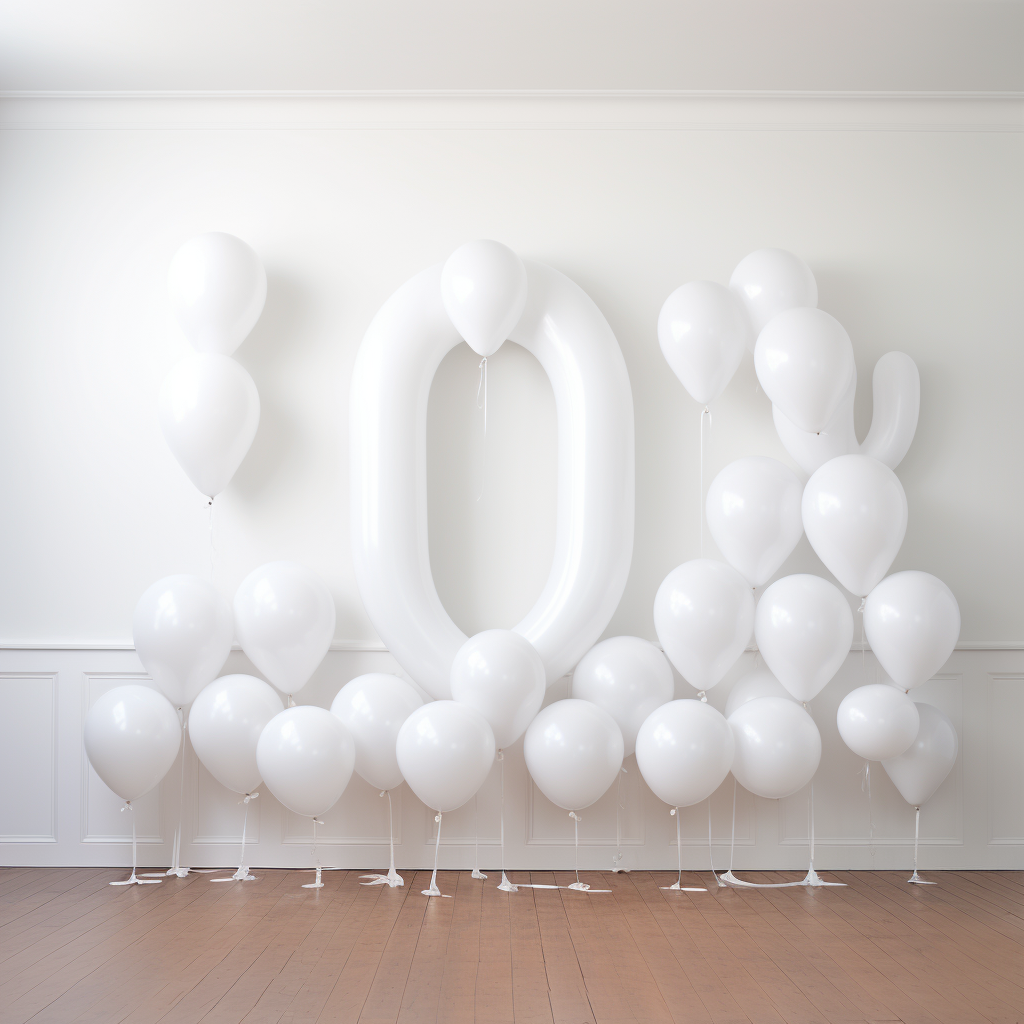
{"x": 909, "y": 212}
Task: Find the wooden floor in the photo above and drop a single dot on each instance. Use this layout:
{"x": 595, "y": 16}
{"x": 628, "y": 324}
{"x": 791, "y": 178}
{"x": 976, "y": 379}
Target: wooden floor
{"x": 73, "y": 948}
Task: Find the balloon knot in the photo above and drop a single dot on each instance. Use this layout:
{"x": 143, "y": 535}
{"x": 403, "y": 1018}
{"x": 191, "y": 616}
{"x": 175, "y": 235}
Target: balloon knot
{"x": 672, "y": 813}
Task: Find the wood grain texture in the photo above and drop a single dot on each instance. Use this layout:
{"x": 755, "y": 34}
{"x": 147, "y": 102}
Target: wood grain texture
{"x": 74, "y": 949}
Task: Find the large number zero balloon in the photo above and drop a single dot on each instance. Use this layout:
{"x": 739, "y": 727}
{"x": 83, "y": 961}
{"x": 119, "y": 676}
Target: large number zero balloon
{"x": 445, "y": 751}
{"x": 629, "y": 678}
{"x": 912, "y": 622}
{"x": 132, "y": 736}
{"x": 183, "y": 631}
{"x": 703, "y": 332}
{"x": 855, "y": 516}
{"x": 499, "y": 673}
{"x": 573, "y": 751}
{"x": 284, "y": 618}
{"x": 703, "y": 615}
{"x": 217, "y": 287}
{"x": 305, "y": 756}
{"x": 684, "y": 751}
{"x": 373, "y": 708}
{"x": 778, "y": 747}
{"x": 225, "y": 725}
{"x": 804, "y": 628}
{"x": 877, "y": 721}
{"x": 209, "y": 410}
{"x": 919, "y": 771}
{"x": 753, "y": 509}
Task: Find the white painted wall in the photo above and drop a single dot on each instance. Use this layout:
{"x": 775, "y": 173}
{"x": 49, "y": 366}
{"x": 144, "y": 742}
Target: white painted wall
{"x": 909, "y": 212}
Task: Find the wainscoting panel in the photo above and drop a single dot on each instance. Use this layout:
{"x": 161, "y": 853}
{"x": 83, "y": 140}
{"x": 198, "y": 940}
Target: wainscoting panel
{"x": 55, "y": 810}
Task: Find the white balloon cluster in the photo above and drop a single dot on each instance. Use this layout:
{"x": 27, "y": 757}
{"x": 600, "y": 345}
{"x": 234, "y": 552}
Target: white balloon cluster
{"x": 854, "y": 512}
{"x": 208, "y": 405}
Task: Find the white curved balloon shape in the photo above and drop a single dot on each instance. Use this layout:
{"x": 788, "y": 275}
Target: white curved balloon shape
{"x": 400, "y": 352}
{"x": 896, "y": 386}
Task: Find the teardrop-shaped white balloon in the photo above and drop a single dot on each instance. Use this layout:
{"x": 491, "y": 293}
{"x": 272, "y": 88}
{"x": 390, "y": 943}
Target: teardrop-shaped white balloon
{"x": 483, "y": 287}
{"x": 877, "y": 721}
{"x": 753, "y": 510}
{"x": 804, "y": 361}
{"x": 209, "y": 410}
{"x": 919, "y": 771}
{"x": 770, "y": 281}
{"x": 912, "y": 622}
{"x": 855, "y": 516}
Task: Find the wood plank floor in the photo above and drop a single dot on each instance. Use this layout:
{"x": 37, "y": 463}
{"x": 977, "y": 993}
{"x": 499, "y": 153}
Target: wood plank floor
{"x": 73, "y": 948}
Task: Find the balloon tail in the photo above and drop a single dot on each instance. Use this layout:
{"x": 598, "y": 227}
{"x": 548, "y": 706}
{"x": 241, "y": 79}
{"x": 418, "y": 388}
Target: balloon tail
{"x": 677, "y": 885}
{"x": 732, "y": 842}
{"x": 915, "y": 878}
{"x": 213, "y": 570}
{"x": 581, "y": 886}
{"x": 504, "y": 885}
{"x": 477, "y": 873}
{"x": 135, "y": 880}
{"x": 318, "y": 883}
{"x": 619, "y": 808}
{"x": 704, "y": 412}
{"x": 481, "y": 391}
{"x": 865, "y": 786}
{"x": 433, "y": 890}
{"x": 392, "y": 878}
{"x": 711, "y": 855}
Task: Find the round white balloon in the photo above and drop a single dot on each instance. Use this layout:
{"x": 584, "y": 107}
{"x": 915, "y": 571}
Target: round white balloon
{"x": 770, "y": 281}
{"x": 574, "y": 752}
{"x": 919, "y": 771}
{"x": 703, "y": 332}
{"x": 217, "y": 287}
{"x": 684, "y": 751}
{"x": 877, "y": 721}
{"x": 629, "y": 678}
{"x": 373, "y": 708}
{"x": 804, "y": 628}
{"x": 132, "y": 736}
{"x": 753, "y": 510}
{"x": 778, "y": 747}
{"x": 305, "y": 757}
{"x": 758, "y": 683}
{"x": 183, "y": 631}
{"x": 499, "y": 673}
{"x": 703, "y": 615}
{"x": 483, "y": 288}
{"x": 209, "y": 410}
{"x": 855, "y": 516}
{"x": 225, "y": 724}
{"x": 284, "y": 620}
{"x": 804, "y": 361}
{"x": 912, "y": 622}
{"x": 445, "y": 751}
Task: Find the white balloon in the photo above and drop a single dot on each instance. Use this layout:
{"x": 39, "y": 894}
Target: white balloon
{"x": 855, "y": 516}
{"x": 758, "y": 683}
{"x": 770, "y": 281}
{"x": 629, "y": 678}
{"x": 182, "y": 630}
{"x": 284, "y": 620}
{"x": 445, "y": 752}
{"x": 225, "y": 725}
{"x": 217, "y": 287}
{"x": 574, "y": 752}
{"x": 897, "y": 402}
{"x": 132, "y": 736}
{"x": 209, "y": 410}
{"x": 778, "y": 747}
{"x": 804, "y": 361}
{"x": 912, "y": 622}
{"x": 877, "y": 721}
{"x": 500, "y": 674}
{"x": 703, "y": 332}
{"x": 483, "y": 288}
{"x": 804, "y": 628}
{"x": 684, "y": 751}
{"x": 305, "y": 756}
{"x": 402, "y": 348}
{"x": 703, "y": 615}
{"x": 919, "y": 771}
{"x": 753, "y": 510}
{"x": 373, "y": 708}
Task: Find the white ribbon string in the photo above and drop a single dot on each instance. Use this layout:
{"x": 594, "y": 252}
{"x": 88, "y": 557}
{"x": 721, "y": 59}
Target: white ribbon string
{"x": 433, "y": 890}
{"x": 700, "y": 510}
{"x": 711, "y": 856}
{"x": 505, "y": 885}
{"x": 732, "y": 844}
{"x": 482, "y": 387}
